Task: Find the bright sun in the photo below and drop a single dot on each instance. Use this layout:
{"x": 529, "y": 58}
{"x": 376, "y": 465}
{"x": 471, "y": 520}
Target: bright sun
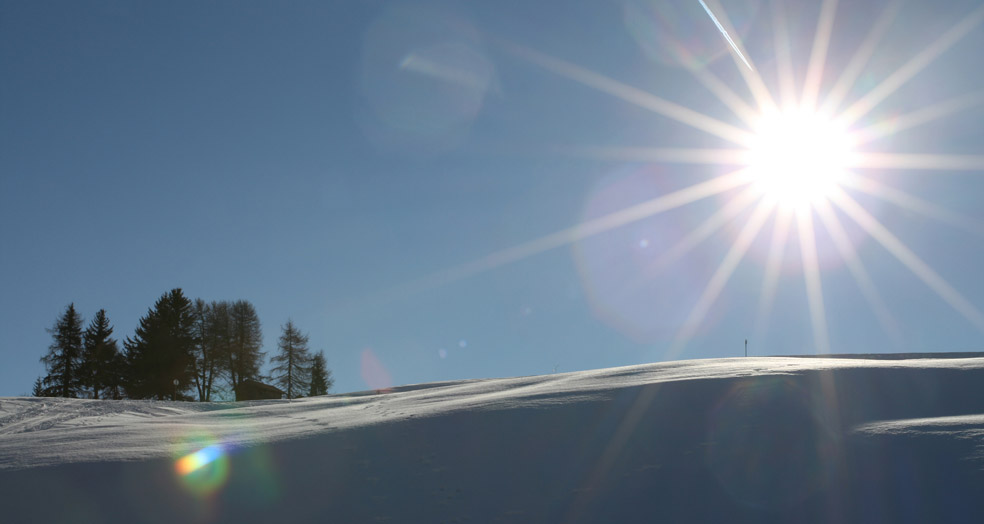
{"x": 797, "y": 157}
{"x": 791, "y": 156}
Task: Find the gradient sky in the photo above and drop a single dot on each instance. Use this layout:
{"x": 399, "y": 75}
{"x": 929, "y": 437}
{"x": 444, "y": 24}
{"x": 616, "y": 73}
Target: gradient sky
{"x": 339, "y": 163}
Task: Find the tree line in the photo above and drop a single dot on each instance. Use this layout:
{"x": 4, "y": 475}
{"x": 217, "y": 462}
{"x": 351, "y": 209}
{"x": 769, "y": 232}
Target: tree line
{"x": 180, "y": 350}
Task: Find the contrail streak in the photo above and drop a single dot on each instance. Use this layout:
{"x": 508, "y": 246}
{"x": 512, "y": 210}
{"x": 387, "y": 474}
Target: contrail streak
{"x": 725, "y": 33}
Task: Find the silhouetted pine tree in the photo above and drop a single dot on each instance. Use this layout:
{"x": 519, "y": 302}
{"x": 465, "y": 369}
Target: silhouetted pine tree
{"x": 39, "y": 389}
{"x": 293, "y": 370}
{"x": 242, "y": 356}
{"x": 116, "y": 376}
{"x": 100, "y": 357}
{"x": 64, "y": 356}
{"x": 161, "y": 350}
{"x": 321, "y": 379}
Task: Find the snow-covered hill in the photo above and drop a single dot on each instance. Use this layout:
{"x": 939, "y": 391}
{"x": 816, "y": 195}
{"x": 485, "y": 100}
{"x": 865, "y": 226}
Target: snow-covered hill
{"x": 727, "y": 440}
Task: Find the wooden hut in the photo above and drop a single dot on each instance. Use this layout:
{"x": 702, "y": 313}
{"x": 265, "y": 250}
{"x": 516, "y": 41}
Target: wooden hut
{"x": 250, "y": 389}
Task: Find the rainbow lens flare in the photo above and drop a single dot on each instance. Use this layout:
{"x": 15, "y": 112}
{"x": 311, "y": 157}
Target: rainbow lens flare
{"x": 205, "y": 470}
{"x": 195, "y": 461}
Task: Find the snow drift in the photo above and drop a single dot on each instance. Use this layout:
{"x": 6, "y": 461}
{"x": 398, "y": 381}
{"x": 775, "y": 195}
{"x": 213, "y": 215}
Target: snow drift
{"x": 725, "y": 440}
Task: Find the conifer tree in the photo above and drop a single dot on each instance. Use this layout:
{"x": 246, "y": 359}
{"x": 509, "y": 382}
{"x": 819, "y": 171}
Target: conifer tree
{"x": 161, "y": 350}
{"x": 321, "y": 379}
{"x": 293, "y": 370}
{"x": 64, "y": 357}
{"x": 100, "y": 357}
{"x": 116, "y": 376}
{"x": 39, "y": 389}
{"x": 242, "y": 356}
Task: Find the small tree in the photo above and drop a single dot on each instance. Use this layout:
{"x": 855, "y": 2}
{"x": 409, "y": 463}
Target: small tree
{"x": 64, "y": 356}
{"x": 100, "y": 357}
{"x": 321, "y": 379}
{"x": 39, "y": 389}
{"x": 293, "y": 369}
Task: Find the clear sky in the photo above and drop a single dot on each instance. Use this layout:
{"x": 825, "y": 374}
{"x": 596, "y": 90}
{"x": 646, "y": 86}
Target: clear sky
{"x": 366, "y": 169}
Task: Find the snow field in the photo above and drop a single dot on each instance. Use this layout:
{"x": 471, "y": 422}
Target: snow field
{"x": 723, "y": 440}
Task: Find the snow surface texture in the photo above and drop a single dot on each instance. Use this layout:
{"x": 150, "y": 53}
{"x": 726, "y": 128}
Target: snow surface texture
{"x": 725, "y": 440}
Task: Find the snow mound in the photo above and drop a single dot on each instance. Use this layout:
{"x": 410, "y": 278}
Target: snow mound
{"x": 724, "y": 440}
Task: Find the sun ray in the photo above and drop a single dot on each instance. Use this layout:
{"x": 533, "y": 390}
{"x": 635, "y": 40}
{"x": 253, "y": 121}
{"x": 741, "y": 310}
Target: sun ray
{"x": 858, "y": 271}
{"x": 818, "y": 56}
{"x": 717, "y": 282}
{"x": 917, "y": 161}
{"x": 676, "y": 155}
{"x": 725, "y": 94}
{"x": 752, "y": 79}
{"x": 713, "y": 223}
{"x": 854, "y": 68}
{"x": 908, "y": 258}
{"x": 615, "y": 446}
{"x": 722, "y": 216}
{"x": 632, "y": 95}
{"x": 784, "y": 59}
{"x": 916, "y": 118}
{"x": 777, "y": 248}
{"x": 572, "y": 234}
{"x": 811, "y": 276}
{"x": 913, "y": 203}
{"x": 911, "y": 68}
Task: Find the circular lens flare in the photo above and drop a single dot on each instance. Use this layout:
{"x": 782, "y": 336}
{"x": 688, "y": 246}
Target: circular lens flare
{"x": 798, "y": 157}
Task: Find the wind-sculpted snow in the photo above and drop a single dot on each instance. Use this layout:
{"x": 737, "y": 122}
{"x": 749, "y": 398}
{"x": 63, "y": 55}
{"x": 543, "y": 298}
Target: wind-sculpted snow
{"x": 727, "y": 440}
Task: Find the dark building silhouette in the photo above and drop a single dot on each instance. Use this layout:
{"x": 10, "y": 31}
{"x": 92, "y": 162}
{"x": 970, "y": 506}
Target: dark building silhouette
{"x": 250, "y": 389}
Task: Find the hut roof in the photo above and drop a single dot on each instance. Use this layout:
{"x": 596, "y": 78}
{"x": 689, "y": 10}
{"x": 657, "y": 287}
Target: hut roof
{"x": 261, "y": 386}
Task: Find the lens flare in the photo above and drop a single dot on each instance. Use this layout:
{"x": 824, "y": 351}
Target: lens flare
{"x": 619, "y": 271}
{"x": 197, "y": 460}
{"x": 779, "y": 468}
{"x": 797, "y": 160}
{"x": 424, "y": 79}
{"x": 202, "y": 465}
{"x": 374, "y": 373}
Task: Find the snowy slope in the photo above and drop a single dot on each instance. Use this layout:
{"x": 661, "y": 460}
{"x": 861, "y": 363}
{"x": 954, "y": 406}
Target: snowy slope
{"x": 726, "y": 440}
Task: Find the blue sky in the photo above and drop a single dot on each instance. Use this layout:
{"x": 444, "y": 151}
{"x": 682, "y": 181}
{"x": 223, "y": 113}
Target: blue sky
{"x": 336, "y": 163}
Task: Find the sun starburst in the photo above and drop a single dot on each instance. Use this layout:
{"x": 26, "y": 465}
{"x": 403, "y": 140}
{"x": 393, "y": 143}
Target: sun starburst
{"x": 798, "y": 158}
